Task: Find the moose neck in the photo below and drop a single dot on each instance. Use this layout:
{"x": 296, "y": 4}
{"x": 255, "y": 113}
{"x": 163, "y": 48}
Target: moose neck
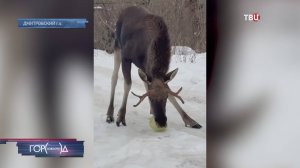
{"x": 158, "y": 55}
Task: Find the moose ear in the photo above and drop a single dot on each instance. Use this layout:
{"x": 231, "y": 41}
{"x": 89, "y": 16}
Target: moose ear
{"x": 171, "y": 75}
{"x": 143, "y": 76}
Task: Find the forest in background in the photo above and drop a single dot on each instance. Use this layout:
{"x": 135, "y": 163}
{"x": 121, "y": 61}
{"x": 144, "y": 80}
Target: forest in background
{"x": 186, "y": 21}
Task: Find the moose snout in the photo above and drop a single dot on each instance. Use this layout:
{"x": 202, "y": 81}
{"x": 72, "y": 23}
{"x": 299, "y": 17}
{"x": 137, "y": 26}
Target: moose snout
{"x": 161, "y": 120}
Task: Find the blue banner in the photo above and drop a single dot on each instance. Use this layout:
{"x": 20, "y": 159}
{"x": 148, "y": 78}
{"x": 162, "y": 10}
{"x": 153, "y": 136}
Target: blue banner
{"x": 48, "y": 147}
{"x": 52, "y": 23}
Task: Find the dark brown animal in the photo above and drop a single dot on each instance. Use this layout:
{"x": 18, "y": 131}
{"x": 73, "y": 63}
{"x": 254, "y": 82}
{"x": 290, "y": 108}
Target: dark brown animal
{"x": 142, "y": 39}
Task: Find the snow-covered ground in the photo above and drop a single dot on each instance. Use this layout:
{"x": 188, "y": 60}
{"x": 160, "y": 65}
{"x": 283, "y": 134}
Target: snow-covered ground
{"x": 136, "y": 145}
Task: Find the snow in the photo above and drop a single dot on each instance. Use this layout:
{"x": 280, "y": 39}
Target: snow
{"x": 182, "y": 50}
{"x": 98, "y": 7}
{"x": 136, "y": 145}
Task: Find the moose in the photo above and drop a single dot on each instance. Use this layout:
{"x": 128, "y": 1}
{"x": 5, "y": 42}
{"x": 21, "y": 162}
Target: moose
{"x": 142, "y": 38}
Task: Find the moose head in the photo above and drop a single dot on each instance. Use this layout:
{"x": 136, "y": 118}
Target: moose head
{"x": 158, "y": 92}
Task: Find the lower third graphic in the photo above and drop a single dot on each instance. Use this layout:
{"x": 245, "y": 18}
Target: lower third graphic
{"x": 42, "y": 23}
{"x": 48, "y": 147}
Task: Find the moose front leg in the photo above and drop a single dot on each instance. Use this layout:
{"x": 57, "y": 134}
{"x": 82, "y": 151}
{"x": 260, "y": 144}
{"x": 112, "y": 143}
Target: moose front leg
{"x": 114, "y": 80}
{"x": 126, "y": 68}
{"x": 188, "y": 121}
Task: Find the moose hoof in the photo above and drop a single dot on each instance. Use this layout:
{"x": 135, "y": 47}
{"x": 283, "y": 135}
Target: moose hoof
{"x": 197, "y": 126}
{"x": 110, "y": 119}
{"x": 122, "y": 121}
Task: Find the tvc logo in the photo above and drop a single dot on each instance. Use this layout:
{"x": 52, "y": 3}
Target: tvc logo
{"x": 252, "y": 17}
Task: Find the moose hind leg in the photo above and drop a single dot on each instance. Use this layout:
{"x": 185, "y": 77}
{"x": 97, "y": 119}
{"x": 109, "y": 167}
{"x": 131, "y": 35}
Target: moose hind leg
{"x": 126, "y": 68}
{"x": 188, "y": 121}
{"x": 114, "y": 80}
